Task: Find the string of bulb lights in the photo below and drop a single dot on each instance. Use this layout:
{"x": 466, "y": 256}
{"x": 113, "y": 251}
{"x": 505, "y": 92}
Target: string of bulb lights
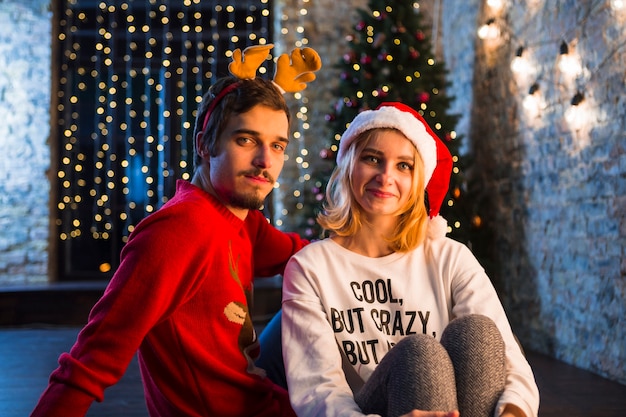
{"x": 293, "y": 32}
{"x": 573, "y": 74}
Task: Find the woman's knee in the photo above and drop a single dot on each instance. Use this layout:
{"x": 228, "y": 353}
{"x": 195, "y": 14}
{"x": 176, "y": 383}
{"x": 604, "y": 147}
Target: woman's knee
{"x": 471, "y": 330}
{"x": 419, "y": 375}
{"x": 417, "y": 344}
{"x": 477, "y": 351}
{"x": 424, "y": 358}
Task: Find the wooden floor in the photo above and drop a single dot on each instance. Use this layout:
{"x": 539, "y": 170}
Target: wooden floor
{"x": 28, "y": 355}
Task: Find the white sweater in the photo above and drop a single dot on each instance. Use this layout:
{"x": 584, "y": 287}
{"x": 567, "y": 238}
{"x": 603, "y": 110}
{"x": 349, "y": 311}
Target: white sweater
{"x": 342, "y": 306}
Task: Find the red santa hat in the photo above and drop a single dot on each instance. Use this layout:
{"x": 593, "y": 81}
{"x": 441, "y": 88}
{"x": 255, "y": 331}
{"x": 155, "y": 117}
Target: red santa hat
{"x": 434, "y": 153}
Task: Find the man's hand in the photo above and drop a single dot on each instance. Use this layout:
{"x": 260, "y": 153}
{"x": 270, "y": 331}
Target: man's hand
{"x": 419, "y": 413}
{"x": 511, "y": 410}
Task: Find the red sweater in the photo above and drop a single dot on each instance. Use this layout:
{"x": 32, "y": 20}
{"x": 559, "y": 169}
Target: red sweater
{"x": 180, "y": 298}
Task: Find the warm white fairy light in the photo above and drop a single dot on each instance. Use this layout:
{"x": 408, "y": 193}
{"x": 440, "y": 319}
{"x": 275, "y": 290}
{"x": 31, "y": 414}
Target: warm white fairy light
{"x": 289, "y": 202}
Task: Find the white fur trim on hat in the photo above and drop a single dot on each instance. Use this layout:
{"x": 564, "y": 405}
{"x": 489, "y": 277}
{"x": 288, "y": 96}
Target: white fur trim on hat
{"x": 405, "y": 122}
{"x": 437, "y": 227}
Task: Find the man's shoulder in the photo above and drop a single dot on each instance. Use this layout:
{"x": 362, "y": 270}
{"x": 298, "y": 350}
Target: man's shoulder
{"x": 186, "y": 192}
{"x": 188, "y": 209}
{"x": 315, "y": 248}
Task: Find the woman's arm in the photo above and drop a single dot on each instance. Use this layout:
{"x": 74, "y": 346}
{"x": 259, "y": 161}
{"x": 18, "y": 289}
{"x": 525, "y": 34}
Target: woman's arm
{"x": 313, "y": 365}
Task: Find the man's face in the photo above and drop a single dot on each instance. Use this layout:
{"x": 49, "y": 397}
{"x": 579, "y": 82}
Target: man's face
{"x": 250, "y": 157}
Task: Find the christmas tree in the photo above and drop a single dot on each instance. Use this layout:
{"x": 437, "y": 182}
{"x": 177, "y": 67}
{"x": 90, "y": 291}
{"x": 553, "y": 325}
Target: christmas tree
{"x": 390, "y": 58}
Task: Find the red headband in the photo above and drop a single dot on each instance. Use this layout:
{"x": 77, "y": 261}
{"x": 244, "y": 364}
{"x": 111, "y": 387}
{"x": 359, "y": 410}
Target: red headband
{"x": 216, "y": 100}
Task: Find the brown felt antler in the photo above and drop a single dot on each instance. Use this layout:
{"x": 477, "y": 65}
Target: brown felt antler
{"x": 292, "y": 71}
{"x": 246, "y": 63}
{"x": 295, "y": 70}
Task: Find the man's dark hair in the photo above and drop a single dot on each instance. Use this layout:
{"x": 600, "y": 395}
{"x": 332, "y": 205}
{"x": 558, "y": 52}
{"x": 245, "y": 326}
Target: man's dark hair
{"x": 244, "y": 97}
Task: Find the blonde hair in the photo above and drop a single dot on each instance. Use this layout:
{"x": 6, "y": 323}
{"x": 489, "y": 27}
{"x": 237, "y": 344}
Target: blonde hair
{"x": 342, "y": 215}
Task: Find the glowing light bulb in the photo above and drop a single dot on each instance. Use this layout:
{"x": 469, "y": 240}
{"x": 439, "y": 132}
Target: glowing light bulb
{"x": 577, "y": 115}
{"x": 495, "y": 5}
{"x": 569, "y": 63}
{"x": 520, "y": 63}
{"x": 489, "y": 30}
{"x": 533, "y": 102}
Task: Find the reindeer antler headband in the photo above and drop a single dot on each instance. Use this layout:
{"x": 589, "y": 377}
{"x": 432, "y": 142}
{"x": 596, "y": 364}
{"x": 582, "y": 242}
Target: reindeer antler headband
{"x": 292, "y": 71}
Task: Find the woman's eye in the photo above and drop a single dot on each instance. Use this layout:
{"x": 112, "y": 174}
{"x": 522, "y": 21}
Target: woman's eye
{"x": 405, "y": 166}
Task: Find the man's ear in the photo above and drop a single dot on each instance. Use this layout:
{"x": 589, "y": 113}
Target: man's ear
{"x": 199, "y": 148}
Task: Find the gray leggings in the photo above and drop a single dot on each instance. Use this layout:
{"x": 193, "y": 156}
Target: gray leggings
{"x": 465, "y": 371}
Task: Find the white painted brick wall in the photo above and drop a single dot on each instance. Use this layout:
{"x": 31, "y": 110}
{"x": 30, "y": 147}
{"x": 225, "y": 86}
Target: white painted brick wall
{"x": 24, "y": 128}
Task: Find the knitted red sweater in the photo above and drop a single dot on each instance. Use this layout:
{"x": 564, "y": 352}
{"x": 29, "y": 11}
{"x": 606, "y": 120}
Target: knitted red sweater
{"x": 180, "y": 298}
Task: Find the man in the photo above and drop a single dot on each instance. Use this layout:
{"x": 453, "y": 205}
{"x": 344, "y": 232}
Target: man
{"x": 179, "y": 297}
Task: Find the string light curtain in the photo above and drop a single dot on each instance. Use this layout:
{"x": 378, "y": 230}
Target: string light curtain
{"x": 289, "y": 197}
{"x": 132, "y": 74}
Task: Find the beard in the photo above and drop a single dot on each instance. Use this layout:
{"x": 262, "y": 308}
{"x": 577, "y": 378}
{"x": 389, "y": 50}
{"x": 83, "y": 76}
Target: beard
{"x": 248, "y": 201}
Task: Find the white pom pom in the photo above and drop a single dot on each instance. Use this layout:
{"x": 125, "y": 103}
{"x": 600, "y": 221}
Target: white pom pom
{"x": 437, "y": 227}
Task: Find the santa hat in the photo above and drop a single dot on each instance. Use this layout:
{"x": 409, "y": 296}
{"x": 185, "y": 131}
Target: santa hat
{"x": 434, "y": 153}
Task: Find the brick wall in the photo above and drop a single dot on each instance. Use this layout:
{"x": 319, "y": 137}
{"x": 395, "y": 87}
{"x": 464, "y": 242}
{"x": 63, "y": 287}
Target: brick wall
{"x": 553, "y": 190}
{"x": 24, "y": 129}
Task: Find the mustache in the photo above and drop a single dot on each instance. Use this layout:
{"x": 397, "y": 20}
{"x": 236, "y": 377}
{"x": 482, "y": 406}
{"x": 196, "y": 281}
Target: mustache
{"x": 259, "y": 173}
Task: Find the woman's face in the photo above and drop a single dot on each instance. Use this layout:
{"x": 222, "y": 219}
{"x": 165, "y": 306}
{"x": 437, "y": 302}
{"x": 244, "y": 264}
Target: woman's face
{"x": 382, "y": 176}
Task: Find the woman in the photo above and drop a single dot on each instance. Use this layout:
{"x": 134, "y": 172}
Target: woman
{"x": 387, "y": 316}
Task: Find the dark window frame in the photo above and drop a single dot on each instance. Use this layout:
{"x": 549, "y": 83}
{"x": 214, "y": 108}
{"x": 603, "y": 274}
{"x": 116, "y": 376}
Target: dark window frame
{"x": 119, "y": 142}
